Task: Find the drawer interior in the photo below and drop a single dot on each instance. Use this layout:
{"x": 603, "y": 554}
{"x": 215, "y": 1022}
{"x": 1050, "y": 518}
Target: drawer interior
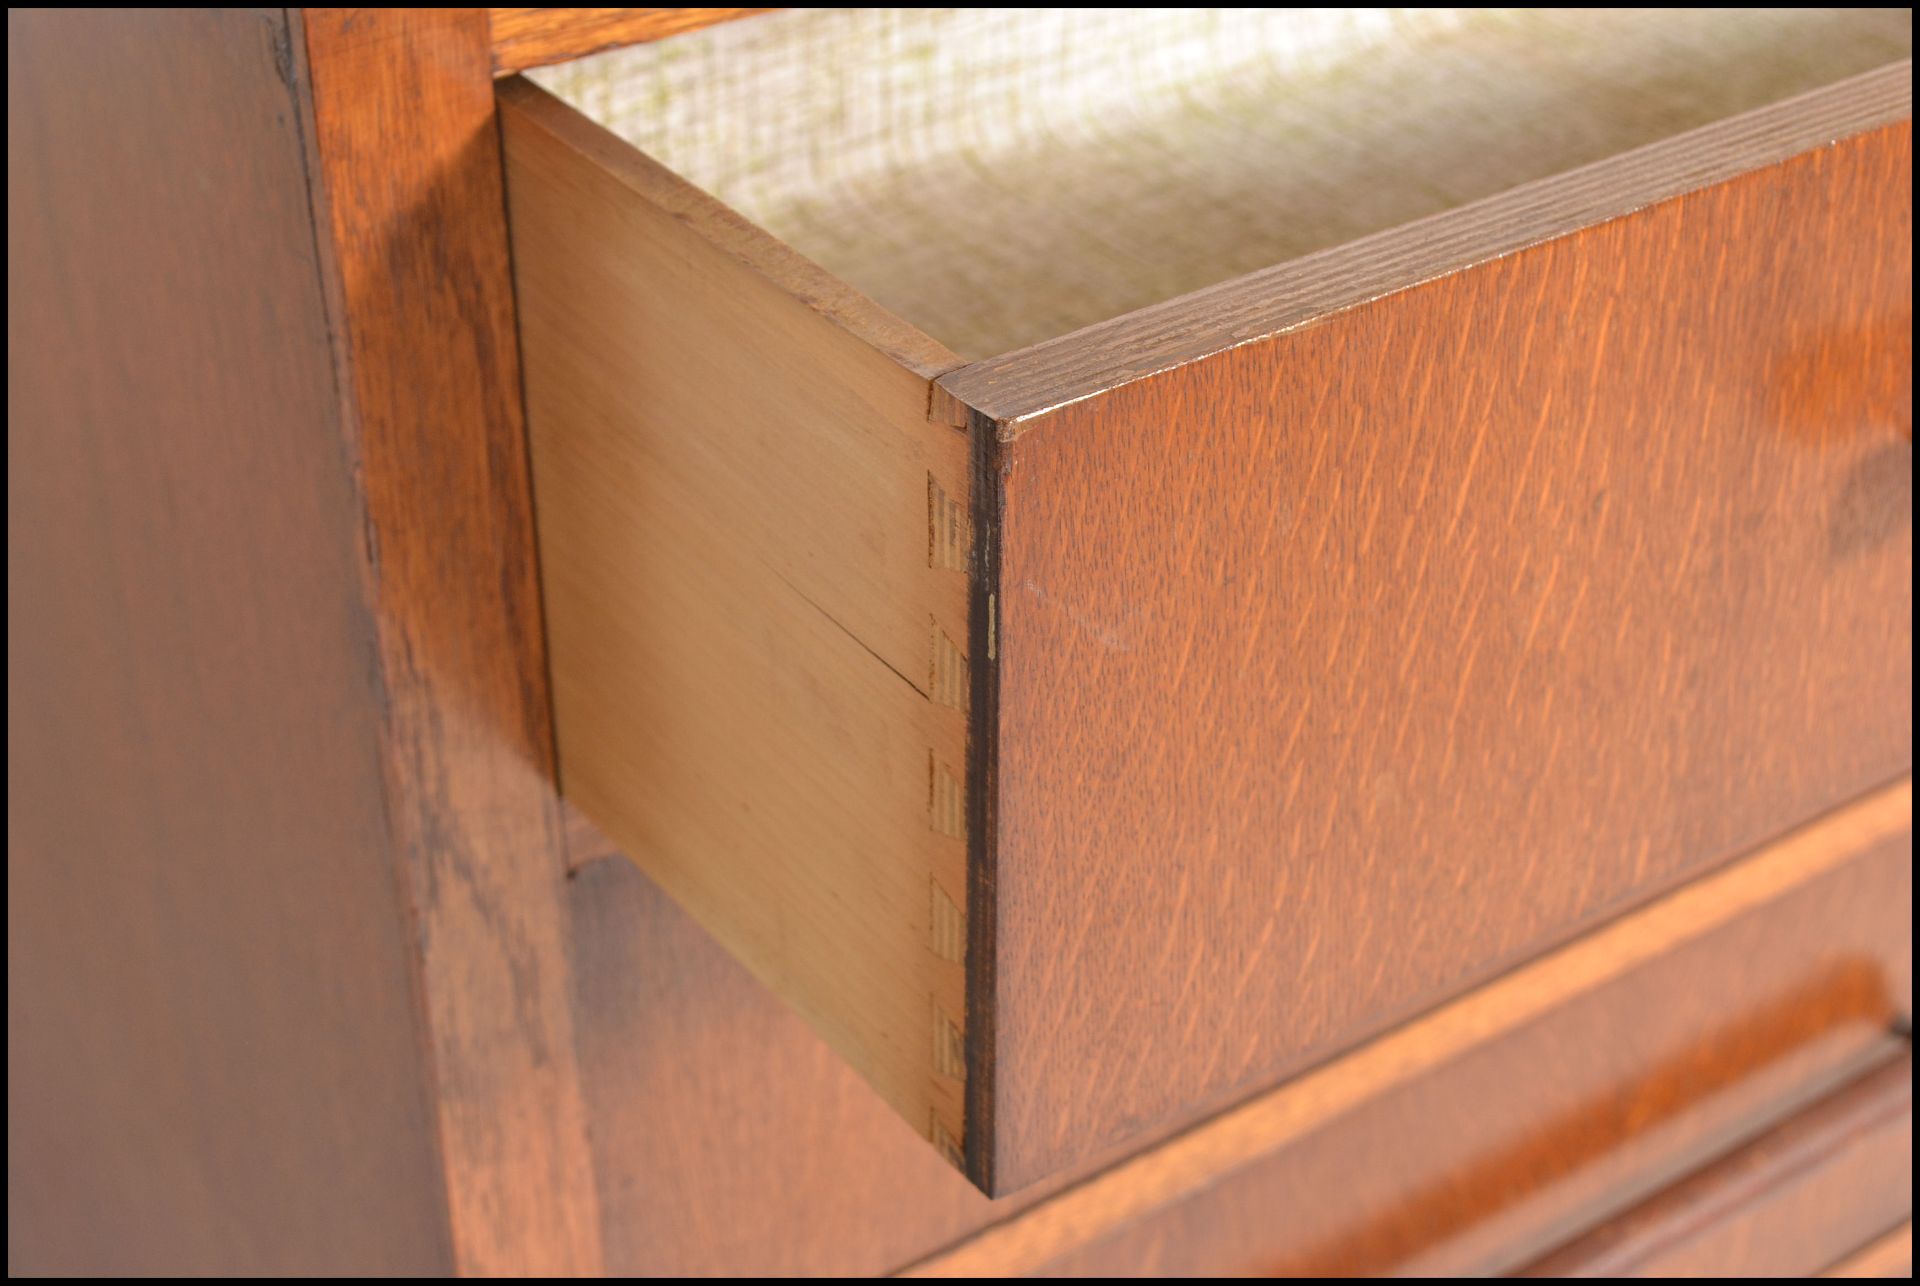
{"x": 1002, "y": 177}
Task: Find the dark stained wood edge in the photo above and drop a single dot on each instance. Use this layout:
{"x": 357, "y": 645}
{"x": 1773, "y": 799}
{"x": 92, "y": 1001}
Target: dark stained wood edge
{"x": 1816, "y": 1138}
{"x": 983, "y": 769}
{"x": 1198, "y": 1157}
{"x": 1018, "y": 387}
{"x": 408, "y": 190}
{"x": 524, "y": 38}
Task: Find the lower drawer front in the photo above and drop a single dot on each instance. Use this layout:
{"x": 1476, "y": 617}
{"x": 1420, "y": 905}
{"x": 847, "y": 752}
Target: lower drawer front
{"x": 1640, "y": 1053}
{"x": 1790, "y": 1203}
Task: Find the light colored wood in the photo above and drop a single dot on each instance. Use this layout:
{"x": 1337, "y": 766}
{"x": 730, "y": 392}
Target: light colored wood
{"x": 1002, "y": 177}
{"x": 1200, "y": 1157}
{"x": 1888, "y": 1256}
{"x": 755, "y": 643}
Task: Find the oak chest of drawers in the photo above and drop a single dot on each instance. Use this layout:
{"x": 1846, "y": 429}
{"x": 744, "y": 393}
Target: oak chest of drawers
{"x": 1175, "y": 641}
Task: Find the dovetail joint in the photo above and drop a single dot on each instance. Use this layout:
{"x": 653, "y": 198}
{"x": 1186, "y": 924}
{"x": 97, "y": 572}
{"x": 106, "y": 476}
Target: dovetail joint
{"x": 949, "y": 535}
{"x": 949, "y": 1050}
{"x": 948, "y": 682}
{"x": 946, "y": 802}
{"x": 947, "y": 932}
{"x": 943, "y": 1139}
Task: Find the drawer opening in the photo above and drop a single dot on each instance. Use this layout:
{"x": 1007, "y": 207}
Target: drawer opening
{"x": 1003, "y": 177}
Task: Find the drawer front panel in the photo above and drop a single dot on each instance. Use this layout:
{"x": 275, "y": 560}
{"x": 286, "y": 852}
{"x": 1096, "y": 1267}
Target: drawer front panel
{"x": 1341, "y": 668}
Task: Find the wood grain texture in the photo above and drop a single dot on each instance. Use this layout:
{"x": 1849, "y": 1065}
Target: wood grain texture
{"x": 1022, "y": 385}
{"x": 1112, "y": 158}
{"x": 1341, "y": 669}
{"x": 1510, "y": 1117}
{"x": 524, "y": 38}
{"x": 1281, "y": 767}
{"x": 284, "y": 694}
{"x": 1887, "y": 1256}
{"x": 759, "y": 652}
{"x": 1482, "y": 1164}
{"x": 212, "y": 1062}
{"x": 407, "y": 164}
{"x": 1786, "y": 1204}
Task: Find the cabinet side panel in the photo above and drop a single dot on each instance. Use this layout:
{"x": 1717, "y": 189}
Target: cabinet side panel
{"x": 213, "y": 1065}
{"x": 1343, "y": 668}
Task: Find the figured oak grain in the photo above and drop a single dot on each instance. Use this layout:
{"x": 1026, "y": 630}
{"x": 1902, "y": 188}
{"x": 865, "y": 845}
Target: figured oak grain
{"x": 1343, "y": 668}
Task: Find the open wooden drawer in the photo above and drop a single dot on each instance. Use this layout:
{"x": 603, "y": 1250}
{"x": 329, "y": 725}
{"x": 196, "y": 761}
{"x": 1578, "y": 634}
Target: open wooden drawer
{"x": 1082, "y": 729}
